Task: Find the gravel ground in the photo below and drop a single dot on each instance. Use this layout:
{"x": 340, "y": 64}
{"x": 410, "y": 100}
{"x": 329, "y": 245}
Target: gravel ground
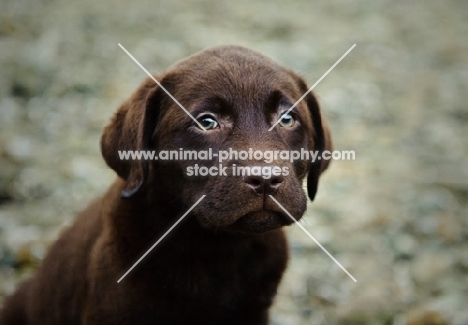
{"x": 396, "y": 217}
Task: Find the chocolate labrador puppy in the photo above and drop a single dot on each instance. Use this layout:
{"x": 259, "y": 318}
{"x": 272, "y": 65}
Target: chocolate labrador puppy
{"x": 223, "y": 262}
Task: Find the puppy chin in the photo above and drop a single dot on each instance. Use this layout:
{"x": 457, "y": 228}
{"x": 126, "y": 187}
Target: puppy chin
{"x": 260, "y": 222}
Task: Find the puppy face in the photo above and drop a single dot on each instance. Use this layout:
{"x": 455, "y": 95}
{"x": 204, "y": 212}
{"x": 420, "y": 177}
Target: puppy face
{"x": 237, "y": 95}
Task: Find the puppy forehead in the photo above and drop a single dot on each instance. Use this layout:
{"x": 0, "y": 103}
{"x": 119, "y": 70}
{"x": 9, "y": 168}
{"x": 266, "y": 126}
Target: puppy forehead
{"x": 226, "y": 56}
{"x": 233, "y": 73}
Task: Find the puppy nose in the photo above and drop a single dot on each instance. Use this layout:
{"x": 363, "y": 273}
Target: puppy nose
{"x": 264, "y": 185}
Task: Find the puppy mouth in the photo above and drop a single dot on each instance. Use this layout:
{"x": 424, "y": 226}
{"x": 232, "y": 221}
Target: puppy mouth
{"x": 261, "y": 221}
{"x": 249, "y": 215}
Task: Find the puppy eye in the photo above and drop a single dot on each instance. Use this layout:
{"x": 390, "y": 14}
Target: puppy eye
{"x": 208, "y": 122}
{"x": 287, "y": 120}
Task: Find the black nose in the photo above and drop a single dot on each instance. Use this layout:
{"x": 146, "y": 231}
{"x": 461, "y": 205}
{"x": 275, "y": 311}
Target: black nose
{"x": 264, "y": 185}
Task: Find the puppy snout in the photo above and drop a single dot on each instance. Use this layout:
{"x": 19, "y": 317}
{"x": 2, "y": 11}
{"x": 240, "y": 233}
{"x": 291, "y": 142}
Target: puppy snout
{"x": 262, "y": 185}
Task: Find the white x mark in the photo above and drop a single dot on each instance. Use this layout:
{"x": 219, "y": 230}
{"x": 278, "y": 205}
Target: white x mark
{"x": 310, "y": 89}
{"x": 159, "y": 84}
{"x": 313, "y": 238}
{"x": 159, "y": 240}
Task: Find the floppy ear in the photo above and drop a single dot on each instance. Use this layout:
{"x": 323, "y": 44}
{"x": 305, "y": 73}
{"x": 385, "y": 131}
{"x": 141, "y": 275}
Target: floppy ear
{"x": 320, "y": 141}
{"x": 132, "y": 128}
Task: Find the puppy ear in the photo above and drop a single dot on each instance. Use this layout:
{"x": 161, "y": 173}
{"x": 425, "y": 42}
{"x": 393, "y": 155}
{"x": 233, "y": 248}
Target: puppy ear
{"x": 319, "y": 140}
{"x": 132, "y": 128}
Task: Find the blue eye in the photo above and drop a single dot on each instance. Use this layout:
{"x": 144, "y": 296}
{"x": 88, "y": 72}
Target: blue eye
{"x": 208, "y": 122}
{"x": 287, "y": 120}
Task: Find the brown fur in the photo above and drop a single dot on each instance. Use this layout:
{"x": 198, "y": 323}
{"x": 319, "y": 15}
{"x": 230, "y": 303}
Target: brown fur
{"x": 223, "y": 263}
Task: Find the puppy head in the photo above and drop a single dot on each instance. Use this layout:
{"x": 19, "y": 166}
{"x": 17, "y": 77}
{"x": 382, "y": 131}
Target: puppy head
{"x": 237, "y": 95}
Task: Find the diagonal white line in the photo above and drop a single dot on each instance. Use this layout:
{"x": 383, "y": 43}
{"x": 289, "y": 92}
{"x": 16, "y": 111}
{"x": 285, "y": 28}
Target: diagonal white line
{"x": 159, "y": 84}
{"x": 312, "y": 237}
{"x": 313, "y": 86}
{"x": 162, "y": 237}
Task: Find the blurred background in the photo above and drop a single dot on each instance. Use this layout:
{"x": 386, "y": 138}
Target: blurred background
{"x": 396, "y": 217}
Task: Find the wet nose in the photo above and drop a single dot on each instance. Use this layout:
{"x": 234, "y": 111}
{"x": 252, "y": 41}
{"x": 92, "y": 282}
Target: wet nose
{"x": 263, "y": 185}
